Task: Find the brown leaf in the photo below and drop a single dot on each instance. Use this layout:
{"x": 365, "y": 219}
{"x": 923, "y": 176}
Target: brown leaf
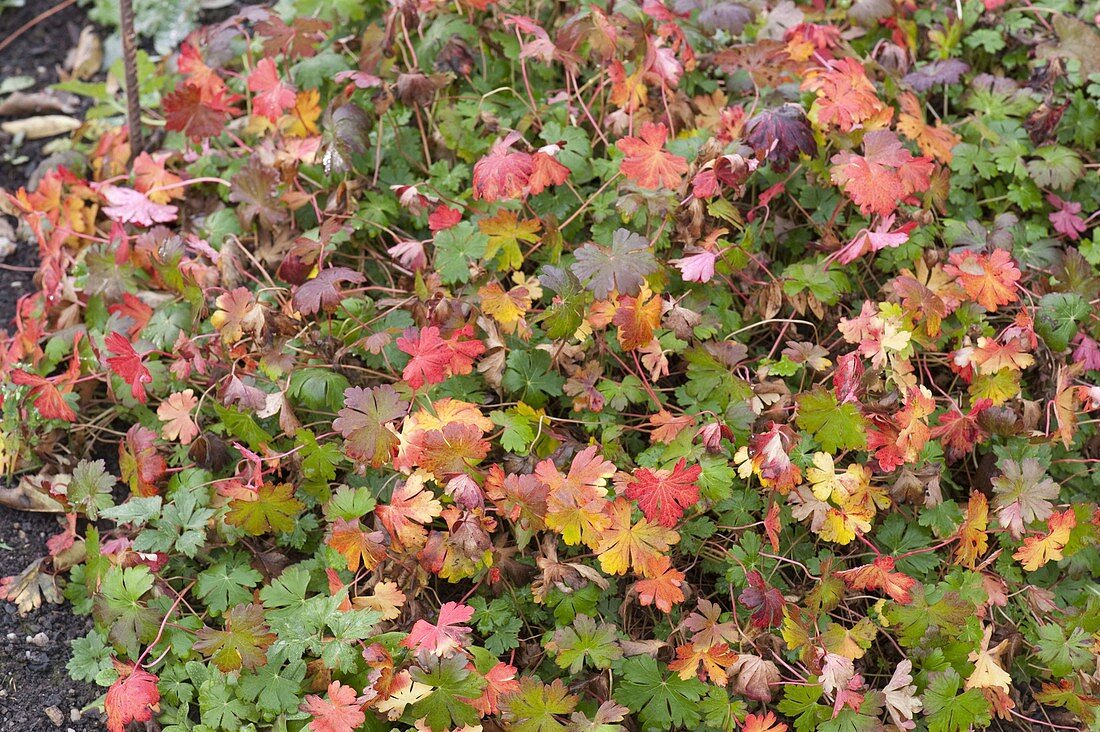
{"x": 30, "y": 587}
{"x": 29, "y": 496}
{"x": 753, "y": 677}
{"x": 21, "y": 104}
{"x": 85, "y": 58}
{"x": 36, "y": 128}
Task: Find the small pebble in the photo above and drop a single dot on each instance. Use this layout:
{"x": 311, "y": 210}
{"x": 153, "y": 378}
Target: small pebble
{"x": 11, "y": 636}
{"x": 56, "y": 716}
{"x": 40, "y": 639}
{"x": 74, "y": 715}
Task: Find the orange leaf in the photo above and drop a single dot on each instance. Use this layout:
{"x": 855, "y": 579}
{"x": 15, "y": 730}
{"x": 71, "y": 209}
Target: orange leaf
{"x": 663, "y": 589}
{"x": 637, "y": 318}
{"x": 936, "y": 142}
{"x": 1038, "y": 550}
{"x": 989, "y": 279}
{"x": 575, "y": 507}
{"x": 715, "y": 661}
{"x": 647, "y": 163}
{"x": 763, "y": 723}
{"x": 845, "y": 96}
{"x": 175, "y": 412}
{"x": 410, "y": 507}
{"x": 356, "y": 545}
{"x": 880, "y": 575}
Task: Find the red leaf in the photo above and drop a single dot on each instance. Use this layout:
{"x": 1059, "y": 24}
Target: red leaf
{"x": 447, "y": 635}
{"x": 504, "y": 173}
{"x": 647, "y": 163}
{"x": 430, "y": 357}
{"x": 663, "y": 495}
{"x": 133, "y": 698}
{"x": 443, "y": 217}
{"x": 340, "y": 712}
{"x": 198, "y": 113}
{"x": 47, "y": 397}
{"x": 883, "y": 176}
{"x": 128, "y": 364}
{"x": 273, "y": 96}
{"x": 959, "y": 432}
{"x": 134, "y": 309}
{"x": 434, "y": 358}
{"x": 139, "y": 463}
{"x": 766, "y": 602}
{"x": 880, "y": 575}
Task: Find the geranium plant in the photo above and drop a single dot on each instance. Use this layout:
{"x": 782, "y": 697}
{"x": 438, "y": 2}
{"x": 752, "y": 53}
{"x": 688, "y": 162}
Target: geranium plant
{"x": 578, "y": 366}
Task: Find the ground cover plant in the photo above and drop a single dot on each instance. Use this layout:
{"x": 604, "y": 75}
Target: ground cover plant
{"x": 577, "y": 366}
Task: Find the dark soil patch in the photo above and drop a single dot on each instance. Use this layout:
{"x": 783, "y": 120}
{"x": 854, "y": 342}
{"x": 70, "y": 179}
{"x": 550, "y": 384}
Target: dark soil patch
{"x": 37, "y": 53}
{"x": 32, "y": 670}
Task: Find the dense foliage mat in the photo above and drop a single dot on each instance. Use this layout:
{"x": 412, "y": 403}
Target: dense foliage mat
{"x": 577, "y": 366}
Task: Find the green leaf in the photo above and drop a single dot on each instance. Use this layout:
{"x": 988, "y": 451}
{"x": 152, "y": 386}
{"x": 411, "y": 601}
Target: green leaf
{"x": 662, "y": 700}
{"x": 227, "y": 583}
{"x": 801, "y": 704}
{"x": 949, "y": 711}
{"x": 1056, "y": 167}
{"x": 1057, "y": 317}
{"x": 318, "y": 389}
{"x": 219, "y": 707}
{"x": 319, "y": 461}
{"x": 585, "y": 641}
{"x": 89, "y": 489}
{"x": 535, "y": 706}
{"x": 91, "y": 659}
{"x": 181, "y": 526}
{"x": 528, "y": 376}
{"x": 241, "y": 426}
{"x": 1062, "y": 654}
{"x": 286, "y": 594}
{"x": 834, "y": 426}
{"x": 119, "y": 606}
{"x": 456, "y": 248}
{"x": 519, "y": 430}
{"x": 135, "y": 511}
{"x": 275, "y": 688}
{"x": 273, "y": 510}
{"x": 446, "y": 708}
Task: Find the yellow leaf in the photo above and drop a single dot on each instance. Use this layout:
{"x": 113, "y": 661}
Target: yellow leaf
{"x": 973, "y": 541}
{"x": 998, "y": 387}
{"x": 841, "y": 526}
{"x": 987, "y": 673}
{"x": 505, "y": 232}
{"x": 822, "y": 476}
{"x": 626, "y": 545}
{"x": 576, "y": 503}
{"x": 301, "y": 121}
